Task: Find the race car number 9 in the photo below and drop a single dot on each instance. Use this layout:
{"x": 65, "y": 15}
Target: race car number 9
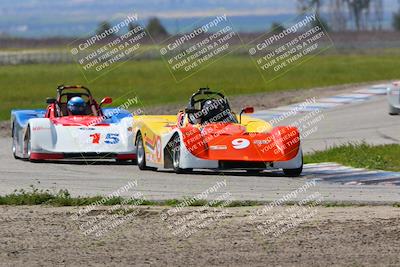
{"x": 240, "y": 143}
{"x": 111, "y": 138}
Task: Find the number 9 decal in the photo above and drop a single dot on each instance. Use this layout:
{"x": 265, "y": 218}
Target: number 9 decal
{"x": 240, "y": 143}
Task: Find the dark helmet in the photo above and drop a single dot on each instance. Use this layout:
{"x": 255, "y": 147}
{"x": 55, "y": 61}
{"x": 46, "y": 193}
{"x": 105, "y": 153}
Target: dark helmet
{"x": 77, "y": 106}
{"x": 216, "y": 110}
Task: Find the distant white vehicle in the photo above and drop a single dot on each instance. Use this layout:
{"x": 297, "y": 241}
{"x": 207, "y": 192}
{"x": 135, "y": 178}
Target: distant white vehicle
{"x": 393, "y": 95}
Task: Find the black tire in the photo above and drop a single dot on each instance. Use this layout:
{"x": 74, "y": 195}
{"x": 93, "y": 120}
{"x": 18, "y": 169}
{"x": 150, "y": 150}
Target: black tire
{"x": 28, "y": 148}
{"x": 14, "y": 143}
{"x": 28, "y": 144}
{"x": 393, "y": 111}
{"x": 294, "y": 172}
{"x": 176, "y": 157}
{"x": 141, "y": 154}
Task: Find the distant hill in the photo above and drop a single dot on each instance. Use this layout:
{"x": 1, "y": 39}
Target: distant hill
{"x": 44, "y": 18}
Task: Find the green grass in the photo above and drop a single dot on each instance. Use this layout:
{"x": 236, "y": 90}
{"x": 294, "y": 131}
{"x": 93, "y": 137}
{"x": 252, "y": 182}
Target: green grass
{"x": 383, "y": 157}
{"x": 27, "y": 86}
{"x": 34, "y": 196}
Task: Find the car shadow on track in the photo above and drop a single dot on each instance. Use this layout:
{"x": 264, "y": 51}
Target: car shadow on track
{"x": 195, "y": 172}
{"x": 231, "y": 173}
{"x": 88, "y": 162}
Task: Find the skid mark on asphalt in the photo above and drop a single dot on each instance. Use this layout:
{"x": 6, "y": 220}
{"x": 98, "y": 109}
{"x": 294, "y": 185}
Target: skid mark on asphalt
{"x": 336, "y": 173}
{"x": 326, "y": 103}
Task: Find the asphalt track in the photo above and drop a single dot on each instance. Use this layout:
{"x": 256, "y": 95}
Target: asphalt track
{"x": 366, "y": 121}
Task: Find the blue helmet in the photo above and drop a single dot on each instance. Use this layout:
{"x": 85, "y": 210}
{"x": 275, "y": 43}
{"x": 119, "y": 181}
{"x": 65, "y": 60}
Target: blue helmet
{"x": 77, "y": 105}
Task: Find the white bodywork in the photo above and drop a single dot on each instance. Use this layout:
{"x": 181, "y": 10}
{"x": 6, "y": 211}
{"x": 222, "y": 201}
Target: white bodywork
{"x": 45, "y": 137}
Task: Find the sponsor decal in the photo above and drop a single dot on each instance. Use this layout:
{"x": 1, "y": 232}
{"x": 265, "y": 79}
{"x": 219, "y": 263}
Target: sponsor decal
{"x": 260, "y": 142}
{"x": 39, "y": 128}
{"x": 218, "y": 147}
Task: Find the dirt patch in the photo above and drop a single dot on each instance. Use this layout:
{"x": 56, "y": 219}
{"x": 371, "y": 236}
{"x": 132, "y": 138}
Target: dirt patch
{"x": 351, "y": 236}
{"x": 262, "y": 101}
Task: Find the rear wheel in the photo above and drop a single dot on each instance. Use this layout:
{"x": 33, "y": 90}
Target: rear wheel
{"x": 176, "y": 157}
{"x": 141, "y": 154}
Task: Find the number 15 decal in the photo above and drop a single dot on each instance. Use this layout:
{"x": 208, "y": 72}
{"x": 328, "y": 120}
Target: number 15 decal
{"x": 240, "y": 143}
{"x": 111, "y": 138}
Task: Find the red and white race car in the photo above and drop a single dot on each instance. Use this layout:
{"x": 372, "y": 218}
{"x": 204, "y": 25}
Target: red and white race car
{"x": 56, "y": 133}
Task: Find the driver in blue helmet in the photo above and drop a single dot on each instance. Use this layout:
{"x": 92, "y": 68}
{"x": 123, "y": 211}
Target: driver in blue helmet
{"x": 77, "y": 106}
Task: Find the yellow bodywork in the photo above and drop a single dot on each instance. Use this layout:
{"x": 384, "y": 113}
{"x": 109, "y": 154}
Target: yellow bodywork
{"x": 159, "y": 124}
{"x": 154, "y": 127}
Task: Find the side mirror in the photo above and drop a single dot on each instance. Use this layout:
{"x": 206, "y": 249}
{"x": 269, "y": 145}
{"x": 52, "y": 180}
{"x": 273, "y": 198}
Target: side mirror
{"x": 246, "y": 110}
{"x": 107, "y": 100}
{"x": 50, "y": 100}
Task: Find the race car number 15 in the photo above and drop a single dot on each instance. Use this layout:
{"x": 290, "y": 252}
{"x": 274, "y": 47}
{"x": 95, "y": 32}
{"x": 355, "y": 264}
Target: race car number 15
{"x": 111, "y": 138}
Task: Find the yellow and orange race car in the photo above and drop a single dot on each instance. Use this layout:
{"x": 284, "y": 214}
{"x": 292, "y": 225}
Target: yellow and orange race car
{"x": 209, "y": 135}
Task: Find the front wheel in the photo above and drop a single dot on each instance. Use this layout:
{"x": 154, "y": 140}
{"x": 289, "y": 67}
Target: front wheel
{"x": 141, "y": 154}
{"x": 28, "y": 144}
{"x": 176, "y": 158}
{"x": 294, "y": 172}
{"x": 393, "y": 111}
{"x": 28, "y": 148}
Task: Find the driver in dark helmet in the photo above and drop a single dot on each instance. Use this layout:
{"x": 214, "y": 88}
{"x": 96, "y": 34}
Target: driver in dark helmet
{"x": 216, "y": 110}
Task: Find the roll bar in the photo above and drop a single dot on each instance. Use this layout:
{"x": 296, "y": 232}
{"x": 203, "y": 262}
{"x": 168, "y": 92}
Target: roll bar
{"x": 203, "y": 91}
